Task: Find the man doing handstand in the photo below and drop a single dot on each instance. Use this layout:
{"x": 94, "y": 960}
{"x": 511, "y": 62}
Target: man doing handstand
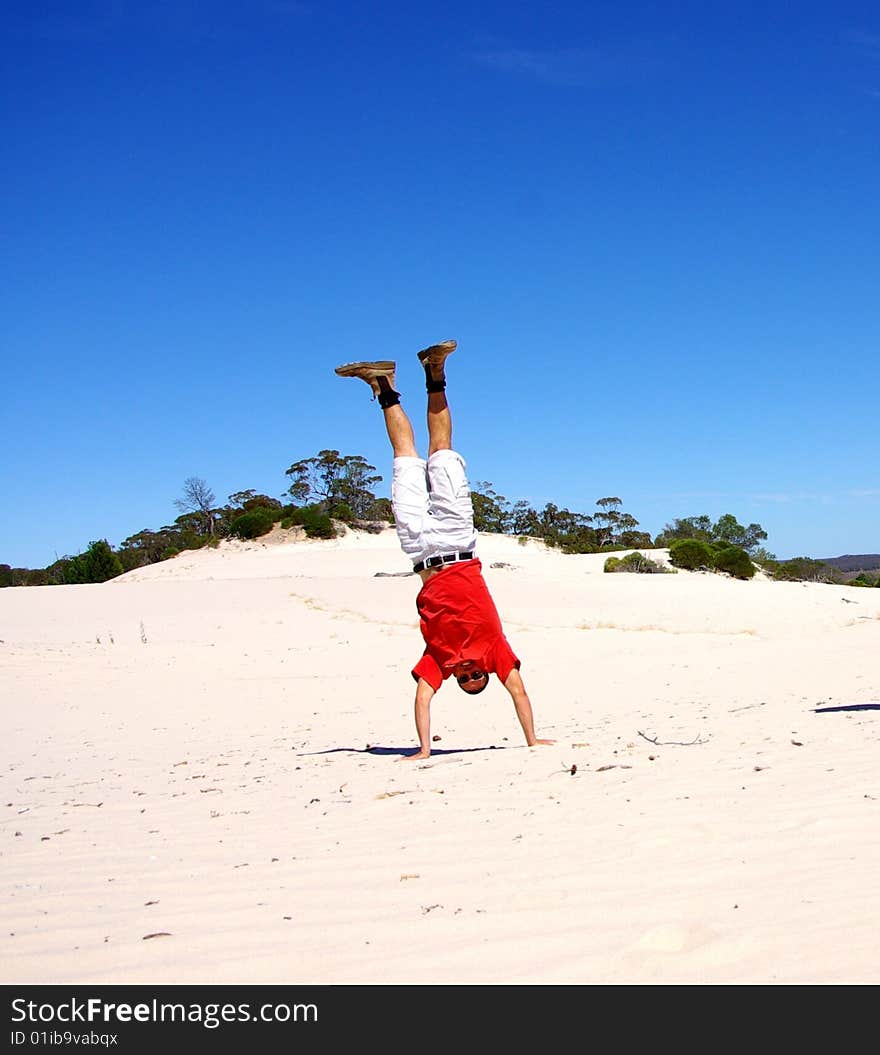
{"x": 435, "y": 524}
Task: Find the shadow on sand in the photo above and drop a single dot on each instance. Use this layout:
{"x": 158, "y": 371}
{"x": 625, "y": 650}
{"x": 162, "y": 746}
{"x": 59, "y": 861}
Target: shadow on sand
{"x": 402, "y": 751}
{"x": 848, "y": 707}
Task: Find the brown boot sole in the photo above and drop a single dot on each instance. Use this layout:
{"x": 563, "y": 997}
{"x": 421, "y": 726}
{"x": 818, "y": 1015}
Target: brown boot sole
{"x": 380, "y": 368}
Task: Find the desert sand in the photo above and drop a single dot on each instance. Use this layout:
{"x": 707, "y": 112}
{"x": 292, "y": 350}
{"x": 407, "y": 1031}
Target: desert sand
{"x": 208, "y": 751}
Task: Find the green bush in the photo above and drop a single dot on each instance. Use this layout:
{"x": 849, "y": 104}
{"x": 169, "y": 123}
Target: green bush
{"x": 639, "y": 563}
{"x": 735, "y": 562}
{"x": 691, "y": 553}
{"x": 316, "y": 522}
{"x": 634, "y": 562}
{"x": 341, "y": 511}
{"x": 804, "y": 569}
{"x": 257, "y": 522}
{"x": 380, "y": 510}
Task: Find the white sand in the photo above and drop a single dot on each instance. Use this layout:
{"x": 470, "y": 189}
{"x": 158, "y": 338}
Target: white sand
{"x": 184, "y": 752}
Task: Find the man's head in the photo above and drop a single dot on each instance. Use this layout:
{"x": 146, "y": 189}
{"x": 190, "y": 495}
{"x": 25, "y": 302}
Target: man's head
{"x": 471, "y": 678}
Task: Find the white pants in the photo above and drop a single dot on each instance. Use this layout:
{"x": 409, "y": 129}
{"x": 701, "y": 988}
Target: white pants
{"x": 432, "y": 506}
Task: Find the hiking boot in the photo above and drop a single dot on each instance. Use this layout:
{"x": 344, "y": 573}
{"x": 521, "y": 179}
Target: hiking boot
{"x": 378, "y": 375}
{"x": 433, "y": 359}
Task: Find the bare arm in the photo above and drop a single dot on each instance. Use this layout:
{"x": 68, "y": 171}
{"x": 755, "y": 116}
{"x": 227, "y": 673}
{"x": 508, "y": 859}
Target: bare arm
{"x": 521, "y": 702}
{"x": 424, "y": 694}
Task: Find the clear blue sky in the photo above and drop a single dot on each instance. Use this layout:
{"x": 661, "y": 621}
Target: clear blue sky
{"x": 654, "y": 230}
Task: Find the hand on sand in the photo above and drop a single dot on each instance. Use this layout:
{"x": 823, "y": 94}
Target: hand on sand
{"x": 415, "y": 758}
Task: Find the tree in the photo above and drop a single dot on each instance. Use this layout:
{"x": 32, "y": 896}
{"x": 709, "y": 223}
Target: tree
{"x": 762, "y": 555}
{"x": 523, "y": 519}
{"x": 381, "y": 510}
{"x": 188, "y": 531}
{"x": 608, "y": 519}
{"x": 146, "y": 547}
{"x": 331, "y": 479}
{"x": 635, "y": 539}
{"x": 198, "y": 499}
{"x": 491, "y": 511}
{"x": 686, "y": 527}
{"x": 571, "y": 532}
{"x": 728, "y": 529}
{"x": 239, "y": 503}
{"x": 98, "y": 564}
{"x": 247, "y": 501}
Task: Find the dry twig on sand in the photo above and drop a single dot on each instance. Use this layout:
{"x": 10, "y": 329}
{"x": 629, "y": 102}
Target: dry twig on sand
{"x": 672, "y": 743}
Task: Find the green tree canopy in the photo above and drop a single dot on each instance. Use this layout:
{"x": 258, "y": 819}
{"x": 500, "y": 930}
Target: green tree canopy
{"x": 726, "y": 529}
{"x": 686, "y": 527}
{"x": 98, "y": 564}
{"x": 331, "y": 479}
{"x": 491, "y": 510}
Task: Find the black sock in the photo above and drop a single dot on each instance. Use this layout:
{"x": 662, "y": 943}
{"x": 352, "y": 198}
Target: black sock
{"x": 432, "y": 385}
{"x": 387, "y": 396}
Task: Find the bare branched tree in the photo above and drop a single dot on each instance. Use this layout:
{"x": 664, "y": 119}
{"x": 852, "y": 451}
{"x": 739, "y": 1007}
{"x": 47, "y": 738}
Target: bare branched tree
{"x": 197, "y": 498}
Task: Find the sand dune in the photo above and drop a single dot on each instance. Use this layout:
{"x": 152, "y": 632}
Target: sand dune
{"x": 187, "y": 756}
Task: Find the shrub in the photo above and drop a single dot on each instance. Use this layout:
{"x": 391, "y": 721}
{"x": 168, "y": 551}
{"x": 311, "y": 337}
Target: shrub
{"x": 807, "y": 569}
{"x": 634, "y": 562}
{"x": 316, "y": 522}
{"x": 380, "y": 510}
{"x": 638, "y": 562}
{"x": 341, "y": 511}
{"x": 691, "y": 553}
{"x": 735, "y": 562}
{"x": 257, "y": 522}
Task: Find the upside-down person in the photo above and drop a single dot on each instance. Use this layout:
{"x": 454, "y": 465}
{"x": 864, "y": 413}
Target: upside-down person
{"x": 435, "y": 523}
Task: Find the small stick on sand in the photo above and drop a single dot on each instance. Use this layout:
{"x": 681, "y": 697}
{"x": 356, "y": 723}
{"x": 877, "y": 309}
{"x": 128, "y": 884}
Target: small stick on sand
{"x": 672, "y": 743}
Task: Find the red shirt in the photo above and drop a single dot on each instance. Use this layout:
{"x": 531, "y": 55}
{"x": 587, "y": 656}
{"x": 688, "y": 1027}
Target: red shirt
{"x": 459, "y": 621}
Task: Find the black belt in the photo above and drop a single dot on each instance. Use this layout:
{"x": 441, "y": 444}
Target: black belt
{"x": 447, "y": 558}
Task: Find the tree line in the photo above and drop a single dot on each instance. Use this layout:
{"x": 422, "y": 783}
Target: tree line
{"x": 324, "y": 488}
{"x": 330, "y": 487}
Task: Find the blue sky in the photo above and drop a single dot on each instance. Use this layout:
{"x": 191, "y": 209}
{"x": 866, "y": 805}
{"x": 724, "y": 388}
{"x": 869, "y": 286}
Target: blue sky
{"x": 653, "y": 230}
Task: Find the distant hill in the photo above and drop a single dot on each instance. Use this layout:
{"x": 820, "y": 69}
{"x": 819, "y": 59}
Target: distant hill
{"x": 852, "y": 563}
